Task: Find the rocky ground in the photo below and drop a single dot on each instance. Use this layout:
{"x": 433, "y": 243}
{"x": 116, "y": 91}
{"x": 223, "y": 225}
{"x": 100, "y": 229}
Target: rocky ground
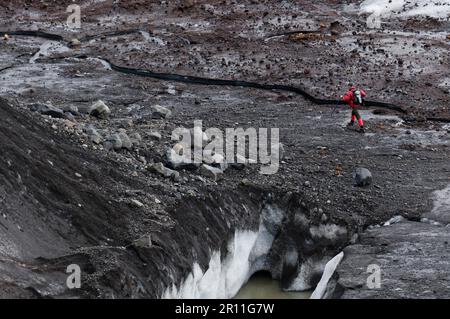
{"x": 92, "y": 185}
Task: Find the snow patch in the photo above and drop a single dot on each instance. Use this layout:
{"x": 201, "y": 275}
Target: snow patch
{"x": 406, "y": 8}
{"x": 328, "y": 272}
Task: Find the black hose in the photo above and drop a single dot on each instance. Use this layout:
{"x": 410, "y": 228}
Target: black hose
{"x": 109, "y": 34}
{"x": 37, "y": 34}
{"x": 209, "y": 81}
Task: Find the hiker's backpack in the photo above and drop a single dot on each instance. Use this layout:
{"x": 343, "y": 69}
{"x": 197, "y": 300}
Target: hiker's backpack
{"x": 358, "y": 98}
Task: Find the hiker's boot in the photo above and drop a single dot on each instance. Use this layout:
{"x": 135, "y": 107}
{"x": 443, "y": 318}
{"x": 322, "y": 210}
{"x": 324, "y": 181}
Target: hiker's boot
{"x": 351, "y": 123}
{"x": 362, "y": 130}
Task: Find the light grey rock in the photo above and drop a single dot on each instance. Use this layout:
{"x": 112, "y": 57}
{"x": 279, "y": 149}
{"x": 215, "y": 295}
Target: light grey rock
{"x": 160, "y": 112}
{"x": 114, "y": 141}
{"x": 126, "y": 141}
{"x": 136, "y": 139}
{"x": 164, "y": 171}
{"x": 99, "y": 109}
{"x": 74, "y": 43}
{"x": 73, "y": 109}
{"x": 177, "y": 158}
{"x": 136, "y": 203}
{"x": 48, "y": 110}
{"x": 362, "y": 177}
{"x": 211, "y": 172}
{"x": 155, "y": 135}
{"x": 93, "y": 135}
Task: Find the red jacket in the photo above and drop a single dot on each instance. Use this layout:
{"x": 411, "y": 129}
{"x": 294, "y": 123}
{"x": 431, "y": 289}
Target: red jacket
{"x": 350, "y": 98}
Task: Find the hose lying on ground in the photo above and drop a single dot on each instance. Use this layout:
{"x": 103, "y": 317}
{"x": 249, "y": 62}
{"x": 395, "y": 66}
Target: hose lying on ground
{"x": 209, "y": 81}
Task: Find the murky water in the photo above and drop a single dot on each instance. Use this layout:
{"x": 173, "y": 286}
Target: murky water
{"x": 262, "y": 286}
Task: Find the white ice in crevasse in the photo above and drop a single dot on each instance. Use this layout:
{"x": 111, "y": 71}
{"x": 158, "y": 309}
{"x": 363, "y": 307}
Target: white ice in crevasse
{"x": 407, "y": 8}
{"x": 247, "y": 254}
{"x": 329, "y": 270}
{"x": 309, "y": 268}
{"x": 224, "y": 278}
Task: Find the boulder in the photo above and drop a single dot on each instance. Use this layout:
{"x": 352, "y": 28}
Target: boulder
{"x": 93, "y": 134}
{"x": 99, "y": 109}
{"x": 215, "y": 160}
{"x": 48, "y": 110}
{"x": 164, "y": 171}
{"x": 362, "y": 177}
{"x": 136, "y": 139}
{"x": 160, "y": 112}
{"x": 113, "y": 142}
{"x": 126, "y": 141}
{"x": 155, "y": 135}
{"x": 136, "y": 203}
{"x": 74, "y": 43}
{"x": 177, "y": 159}
{"x": 211, "y": 172}
{"x": 72, "y": 109}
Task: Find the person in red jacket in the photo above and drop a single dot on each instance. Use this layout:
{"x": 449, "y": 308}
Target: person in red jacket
{"x": 355, "y": 98}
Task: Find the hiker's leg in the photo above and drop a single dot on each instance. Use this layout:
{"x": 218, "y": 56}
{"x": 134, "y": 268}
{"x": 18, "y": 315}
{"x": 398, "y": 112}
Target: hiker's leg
{"x": 353, "y": 117}
{"x": 358, "y": 117}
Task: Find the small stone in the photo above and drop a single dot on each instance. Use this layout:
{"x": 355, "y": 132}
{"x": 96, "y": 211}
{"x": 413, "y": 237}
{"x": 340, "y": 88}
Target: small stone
{"x": 136, "y": 139}
{"x": 211, "y": 172}
{"x": 154, "y": 135}
{"x": 164, "y": 171}
{"x": 74, "y": 43}
{"x": 114, "y": 141}
{"x": 99, "y": 109}
{"x": 362, "y": 177}
{"x": 142, "y": 160}
{"x": 177, "y": 158}
{"x": 160, "y": 112}
{"x": 136, "y": 203}
{"x": 126, "y": 141}
{"x": 93, "y": 135}
{"x": 72, "y": 109}
{"x": 48, "y": 110}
